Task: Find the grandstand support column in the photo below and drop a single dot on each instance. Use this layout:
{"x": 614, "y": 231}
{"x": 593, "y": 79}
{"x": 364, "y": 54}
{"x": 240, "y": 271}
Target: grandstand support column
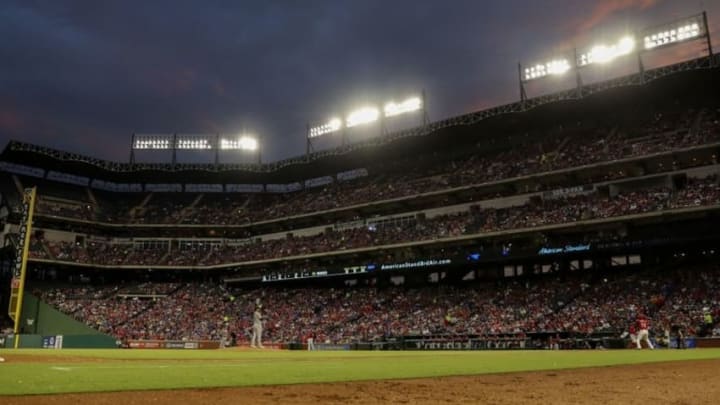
{"x": 217, "y": 151}
{"x": 707, "y": 37}
{"x": 132, "y": 149}
{"x": 308, "y": 144}
{"x": 259, "y": 151}
{"x": 174, "y": 150}
{"x": 641, "y": 67}
{"x": 425, "y": 115}
{"x": 523, "y": 95}
{"x": 578, "y": 77}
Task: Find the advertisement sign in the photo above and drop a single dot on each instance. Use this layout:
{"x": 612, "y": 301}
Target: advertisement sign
{"x": 174, "y": 344}
{"x": 52, "y": 342}
{"x": 565, "y": 249}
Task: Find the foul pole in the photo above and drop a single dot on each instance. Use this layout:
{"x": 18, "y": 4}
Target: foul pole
{"x": 17, "y": 285}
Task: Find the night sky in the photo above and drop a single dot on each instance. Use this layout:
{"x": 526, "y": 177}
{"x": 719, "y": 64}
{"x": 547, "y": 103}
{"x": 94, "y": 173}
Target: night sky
{"x": 83, "y": 76}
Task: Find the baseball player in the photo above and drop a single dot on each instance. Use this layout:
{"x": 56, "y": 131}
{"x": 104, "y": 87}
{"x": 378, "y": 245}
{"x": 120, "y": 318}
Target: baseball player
{"x": 643, "y": 324}
{"x": 257, "y": 329}
{"x": 311, "y": 341}
{"x": 632, "y": 334}
{"x": 679, "y": 335}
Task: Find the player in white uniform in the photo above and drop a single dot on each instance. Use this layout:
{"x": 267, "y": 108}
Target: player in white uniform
{"x": 311, "y": 341}
{"x": 257, "y": 329}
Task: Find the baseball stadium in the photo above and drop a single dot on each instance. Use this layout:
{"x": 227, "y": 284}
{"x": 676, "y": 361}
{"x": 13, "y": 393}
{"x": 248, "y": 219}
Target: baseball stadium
{"x": 562, "y": 248}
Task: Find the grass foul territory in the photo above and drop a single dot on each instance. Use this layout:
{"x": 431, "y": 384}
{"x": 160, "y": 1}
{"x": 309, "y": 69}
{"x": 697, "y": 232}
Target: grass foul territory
{"x": 33, "y": 371}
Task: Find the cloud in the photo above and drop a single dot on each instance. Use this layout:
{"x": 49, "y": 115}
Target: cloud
{"x": 605, "y": 9}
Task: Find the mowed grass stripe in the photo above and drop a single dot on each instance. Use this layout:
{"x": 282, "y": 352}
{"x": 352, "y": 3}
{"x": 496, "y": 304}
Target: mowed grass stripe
{"x": 122, "y": 370}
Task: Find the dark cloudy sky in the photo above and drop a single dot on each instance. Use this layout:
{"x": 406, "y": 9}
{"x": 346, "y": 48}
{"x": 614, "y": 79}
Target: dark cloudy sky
{"x": 84, "y": 75}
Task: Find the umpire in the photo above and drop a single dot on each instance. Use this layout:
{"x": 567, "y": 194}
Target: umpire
{"x": 679, "y": 332}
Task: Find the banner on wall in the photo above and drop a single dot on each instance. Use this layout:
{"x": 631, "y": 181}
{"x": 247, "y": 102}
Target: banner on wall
{"x": 173, "y": 344}
{"x": 52, "y": 342}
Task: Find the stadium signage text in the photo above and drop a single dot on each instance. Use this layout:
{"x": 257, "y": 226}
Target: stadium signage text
{"x": 568, "y": 191}
{"x": 412, "y": 265}
{"x": 295, "y": 275}
{"x": 566, "y": 249}
{"x": 173, "y": 344}
{"x": 22, "y": 233}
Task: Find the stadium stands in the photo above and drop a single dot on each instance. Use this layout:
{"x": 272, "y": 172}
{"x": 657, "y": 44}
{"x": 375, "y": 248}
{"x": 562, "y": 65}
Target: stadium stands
{"x": 565, "y": 148}
{"x": 636, "y": 185}
{"x": 577, "y": 303}
{"x": 535, "y": 213}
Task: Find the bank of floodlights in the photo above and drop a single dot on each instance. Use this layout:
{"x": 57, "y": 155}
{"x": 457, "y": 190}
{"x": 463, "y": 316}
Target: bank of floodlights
{"x": 410, "y": 105}
{"x": 676, "y": 32}
{"x": 152, "y": 142}
{"x": 333, "y": 125}
{"x": 605, "y": 53}
{"x": 193, "y": 142}
{"x": 553, "y": 67}
{"x": 366, "y": 115}
{"x": 686, "y": 29}
{"x": 361, "y": 116}
{"x": 240, "y": 143}
{"x": 180, "y": 142}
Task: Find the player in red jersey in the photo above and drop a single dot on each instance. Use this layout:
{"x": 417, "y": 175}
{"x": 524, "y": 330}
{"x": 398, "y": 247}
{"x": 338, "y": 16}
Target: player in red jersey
{"x": 632, "y": 331}
{"x": 643, "y": 325}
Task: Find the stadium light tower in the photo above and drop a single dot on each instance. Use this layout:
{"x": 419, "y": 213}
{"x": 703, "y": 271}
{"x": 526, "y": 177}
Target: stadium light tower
{"x": 411, "y": 105}
{"x": 183, "y": 142}
{"x": 605, "y": 53}
{"x": 553, "y": 67}
{"x": 362, "y": 116}
{"x": 333, "y": 125}
{"x": 151, "y": 142}
{"x": 692, "y": 28}
{"x": 367, "y": 115}
{"x": 676, "y": 32}
{"x": 242, "y": 143}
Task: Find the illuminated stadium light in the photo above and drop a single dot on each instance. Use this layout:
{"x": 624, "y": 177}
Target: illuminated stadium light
{"x": 412, "y": 104}
{"x": 153, "y": 142}
{"x": 241, "y": 143}
{"x": 553, "y": 67}
{"x": 193, "y": 143}
{"x": 333, "y": 125}
{"x": 679, "y": 31}
{"x": 362, "y": 116}
{"x": 607, "y": 53}
{"x": 686, "y": 29}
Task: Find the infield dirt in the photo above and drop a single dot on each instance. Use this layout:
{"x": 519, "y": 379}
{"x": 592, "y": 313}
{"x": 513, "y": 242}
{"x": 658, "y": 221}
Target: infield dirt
{"x": 685, "y": 382}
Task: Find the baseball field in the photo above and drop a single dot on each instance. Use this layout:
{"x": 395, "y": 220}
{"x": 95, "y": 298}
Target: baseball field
{"x": 269, "y": 376}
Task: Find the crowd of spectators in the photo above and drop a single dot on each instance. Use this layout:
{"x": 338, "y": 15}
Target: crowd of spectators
{"x": 537, "y": 212}
{"x": 581, "y": 303}
{"x": 563, "y": 148}
{"x": 107, "y": 308}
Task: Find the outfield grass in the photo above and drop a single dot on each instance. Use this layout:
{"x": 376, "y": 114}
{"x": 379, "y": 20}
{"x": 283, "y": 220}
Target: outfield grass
{"x": 120, "y": 370}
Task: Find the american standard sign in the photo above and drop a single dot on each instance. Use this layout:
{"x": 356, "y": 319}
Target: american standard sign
{"x": 564, "y": 249}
